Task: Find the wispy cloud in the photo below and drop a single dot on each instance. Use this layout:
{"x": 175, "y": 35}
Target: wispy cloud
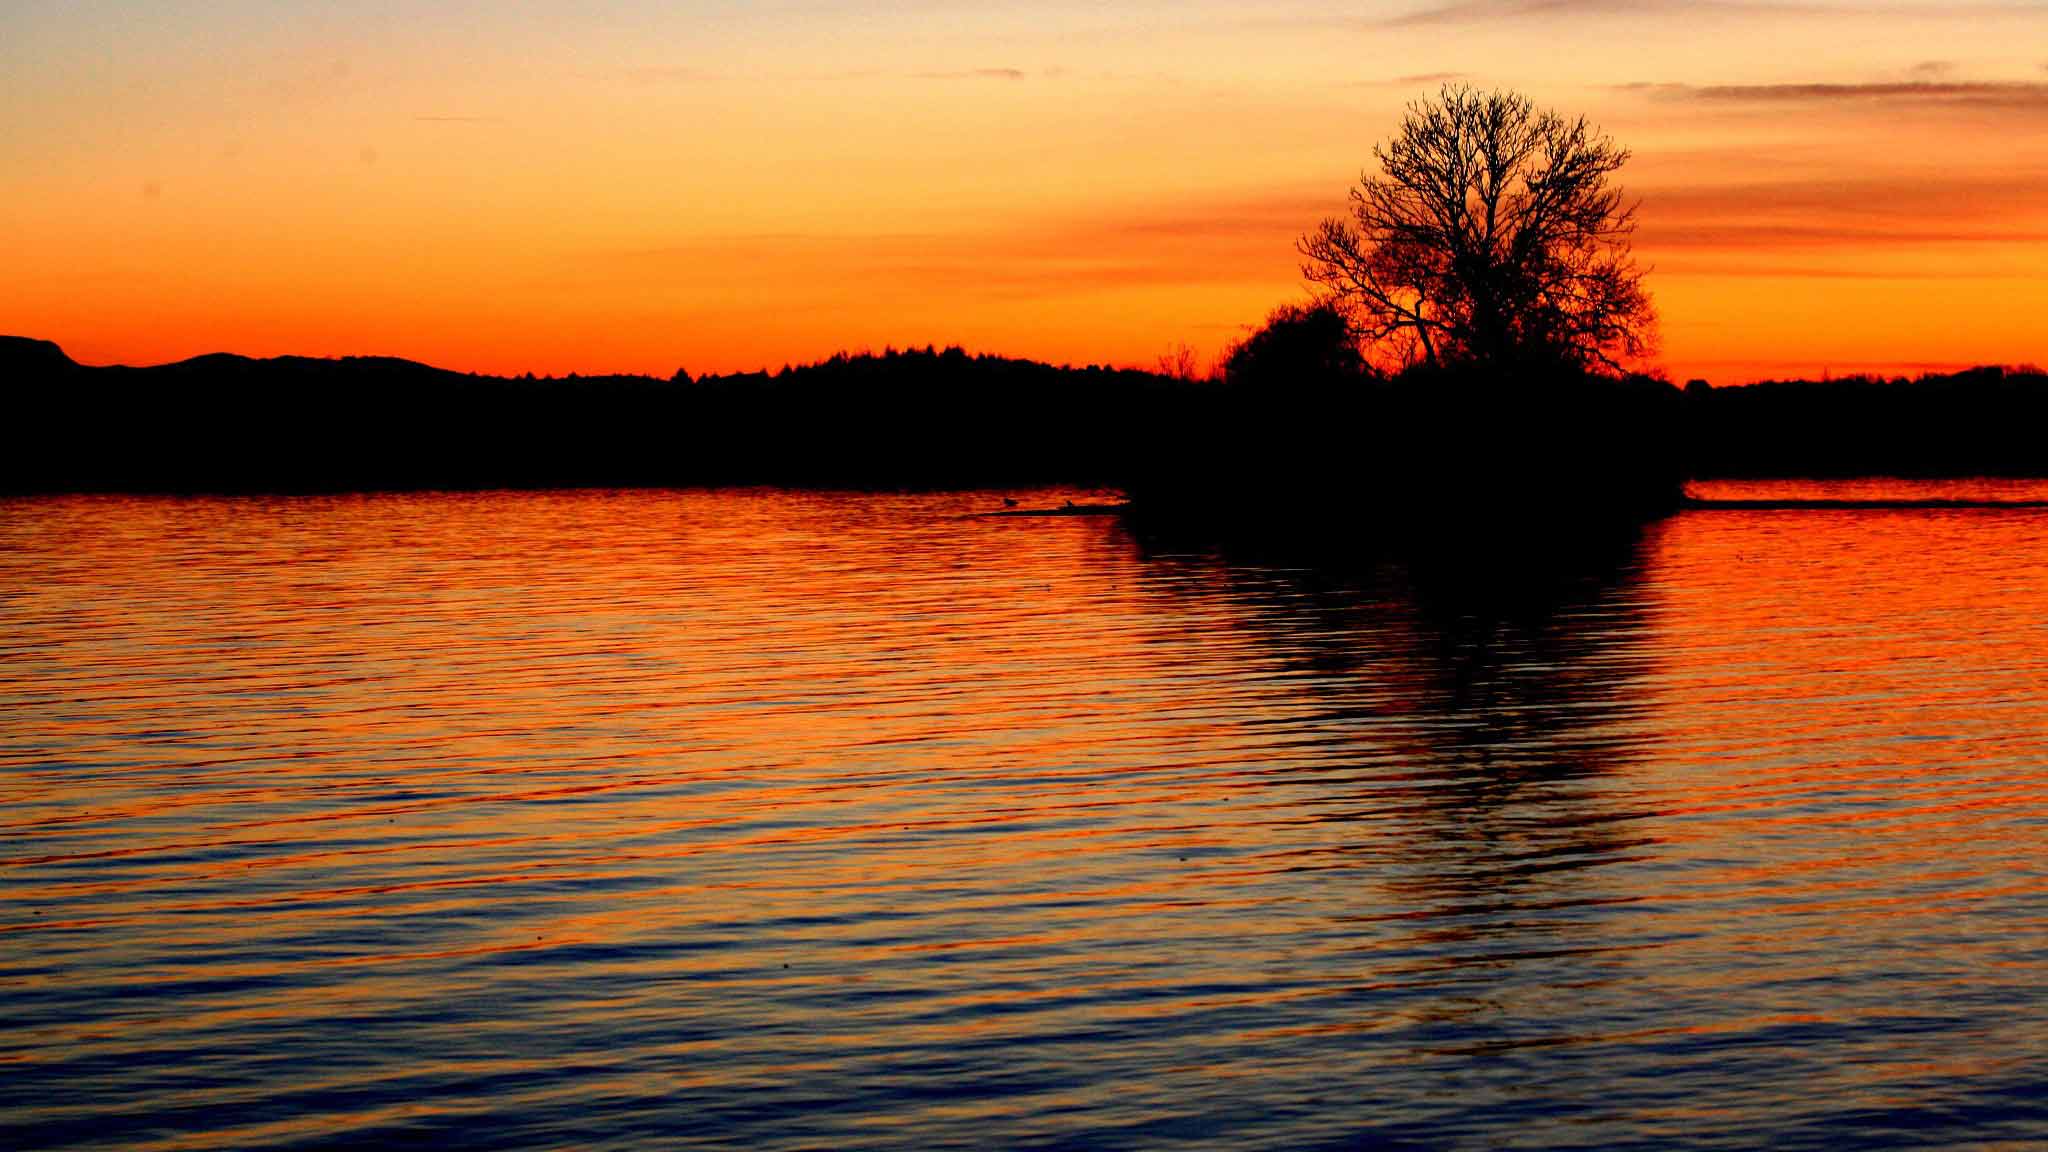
{"x": 1776, "y": 236}
{"x": 1878, "y": 212}
{"x": 459, "y": 119}
{"x": 2013, "y": 94}
{"x": 1414, "y": 80}
{"x": 1220, "y": 241}
{"x": 975, "y": 74}
{"x": 667, "y": 74}
{"x": 1474, "y": 11}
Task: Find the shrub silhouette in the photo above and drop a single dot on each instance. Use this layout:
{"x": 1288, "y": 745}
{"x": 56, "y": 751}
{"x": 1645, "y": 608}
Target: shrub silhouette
{"x": 1298, "y": 346}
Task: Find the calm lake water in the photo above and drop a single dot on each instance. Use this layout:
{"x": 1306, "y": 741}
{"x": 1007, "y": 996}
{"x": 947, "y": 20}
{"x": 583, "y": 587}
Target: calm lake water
{"x": 790, "y": 820}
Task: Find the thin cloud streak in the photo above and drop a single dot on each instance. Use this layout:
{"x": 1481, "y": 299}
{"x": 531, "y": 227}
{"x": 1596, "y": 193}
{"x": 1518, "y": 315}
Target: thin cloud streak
{"x": 1903, "y": 197}
{"x": 1476, "y": 11}
{"x": 1772, "y": 236}
{"x": 1228, "y": 240}
{"x": 1456, "y": 12}
{"x": 657, "y": 74}
{"x": 975, "y": 74}
{"x": 2012, "y": 94}
{"x": 1416, "y": 80}
{"x": 1851, "y": 229}
{"x": 1782, "y": 228}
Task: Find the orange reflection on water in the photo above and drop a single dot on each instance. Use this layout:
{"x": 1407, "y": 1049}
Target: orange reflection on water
{"x": 522, "y": 802}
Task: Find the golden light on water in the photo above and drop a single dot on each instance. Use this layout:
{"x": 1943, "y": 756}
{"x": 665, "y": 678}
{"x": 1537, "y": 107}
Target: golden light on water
{"x": 651, "y": 812}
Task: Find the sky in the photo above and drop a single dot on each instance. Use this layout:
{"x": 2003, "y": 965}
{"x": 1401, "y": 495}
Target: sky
{"x": 593, "y": 186}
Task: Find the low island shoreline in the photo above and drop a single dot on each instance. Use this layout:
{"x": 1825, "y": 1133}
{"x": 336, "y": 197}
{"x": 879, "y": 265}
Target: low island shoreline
{"x": 945, "y": 419}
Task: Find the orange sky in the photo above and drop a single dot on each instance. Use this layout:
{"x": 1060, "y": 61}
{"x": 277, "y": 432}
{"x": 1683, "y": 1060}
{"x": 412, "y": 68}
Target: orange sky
{"x": 638, "y": 185}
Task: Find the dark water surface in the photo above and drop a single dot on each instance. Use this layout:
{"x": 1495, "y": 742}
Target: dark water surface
{"x": 791, "y": 820}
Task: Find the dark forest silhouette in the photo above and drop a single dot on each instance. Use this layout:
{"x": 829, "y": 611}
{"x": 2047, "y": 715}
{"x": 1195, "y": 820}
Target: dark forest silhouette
{"x": 1286, "y": 423}
{"x": 923, "y": 418}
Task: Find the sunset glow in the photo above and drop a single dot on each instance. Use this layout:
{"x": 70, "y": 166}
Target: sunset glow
{"x": 636, "y": 186}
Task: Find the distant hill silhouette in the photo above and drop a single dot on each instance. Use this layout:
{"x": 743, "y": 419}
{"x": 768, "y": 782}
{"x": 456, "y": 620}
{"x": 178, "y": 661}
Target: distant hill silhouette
{"x": 1267, "y": 437}
{"x": 922, "y": 418}
{"x": 20, "y": 354}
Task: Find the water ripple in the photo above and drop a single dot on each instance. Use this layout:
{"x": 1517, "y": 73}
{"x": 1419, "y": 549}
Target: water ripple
{"x": 795, "y": 820}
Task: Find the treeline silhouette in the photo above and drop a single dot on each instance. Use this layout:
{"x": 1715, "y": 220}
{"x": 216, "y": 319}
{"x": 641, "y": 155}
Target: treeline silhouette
{"x": 918, "y": 418}
{"x": 1292, "y": 425}
{"x": 1983, "y": 421}
{"x": 1296, "y": 425}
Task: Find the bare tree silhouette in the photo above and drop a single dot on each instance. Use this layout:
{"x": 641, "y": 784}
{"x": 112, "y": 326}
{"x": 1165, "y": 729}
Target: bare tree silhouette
{"x": 1492, "y": 237}
{"x": 1180, "y": 362}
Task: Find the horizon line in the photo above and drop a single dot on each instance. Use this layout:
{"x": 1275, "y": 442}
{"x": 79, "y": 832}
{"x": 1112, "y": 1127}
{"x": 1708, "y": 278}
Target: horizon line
{"x": 1852, "y": 369}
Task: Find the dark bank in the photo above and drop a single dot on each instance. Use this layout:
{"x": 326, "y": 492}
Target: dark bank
{"x": 1271, "y": 433}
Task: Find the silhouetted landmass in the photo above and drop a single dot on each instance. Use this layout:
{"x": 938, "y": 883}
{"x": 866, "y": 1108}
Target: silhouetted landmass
{"x": 1318, "y": 448}
{"x": 1290, "y": 430}
{"x": 1985, "y": 421}
{"x": 1297, "y": 427}
{"x": 227, "y": 423}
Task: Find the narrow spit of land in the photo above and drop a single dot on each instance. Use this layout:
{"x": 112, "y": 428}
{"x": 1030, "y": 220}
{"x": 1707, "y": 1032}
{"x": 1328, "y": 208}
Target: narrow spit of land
{"x": 1799, "y": 505}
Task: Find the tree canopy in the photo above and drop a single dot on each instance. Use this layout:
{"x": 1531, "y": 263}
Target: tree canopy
{"x": 1492, "y": 237}
{"x": 1297, "y": 345}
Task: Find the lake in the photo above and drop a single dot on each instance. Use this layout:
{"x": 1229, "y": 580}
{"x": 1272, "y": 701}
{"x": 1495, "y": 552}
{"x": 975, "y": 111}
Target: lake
{"x": 818, "y": 820}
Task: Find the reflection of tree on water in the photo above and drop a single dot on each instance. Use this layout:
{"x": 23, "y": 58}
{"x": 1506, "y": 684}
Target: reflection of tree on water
{"x": 1474, "y": 697}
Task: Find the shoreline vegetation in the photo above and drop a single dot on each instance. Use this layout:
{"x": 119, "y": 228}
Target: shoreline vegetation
{"x": 1278, "y": 436}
